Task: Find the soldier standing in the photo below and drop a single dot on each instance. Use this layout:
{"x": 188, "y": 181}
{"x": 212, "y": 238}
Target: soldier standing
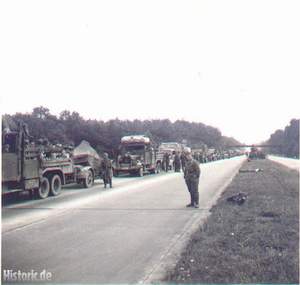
{"x": 177, "y": 162}
{"x": 183, "y": 160}
{"x": 166, "y": 159}
{"x": 191, "y": 176}
{"x": 106, "y": 167}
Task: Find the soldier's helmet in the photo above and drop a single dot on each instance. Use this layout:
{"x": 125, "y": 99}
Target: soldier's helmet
{"x": 105, "y": 155}
{"x": 187, "y": 150}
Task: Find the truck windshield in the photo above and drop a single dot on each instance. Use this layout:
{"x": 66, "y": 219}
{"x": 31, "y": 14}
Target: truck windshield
{"x": 133, "y": 149}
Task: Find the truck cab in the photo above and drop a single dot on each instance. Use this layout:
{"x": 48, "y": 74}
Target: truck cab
{"x": 20, "y": 164}
{"x": 25, "y": 166}
{"x": 136, "y": 156}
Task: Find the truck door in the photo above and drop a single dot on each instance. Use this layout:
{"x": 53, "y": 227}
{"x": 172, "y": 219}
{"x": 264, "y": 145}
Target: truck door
{"x": 152, "y": 156}
{"x": 11, "y": 168}
{"x": 147, "y": 154}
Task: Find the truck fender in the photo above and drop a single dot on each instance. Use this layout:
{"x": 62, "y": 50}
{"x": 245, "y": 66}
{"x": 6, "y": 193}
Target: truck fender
{"x": 86, "y": 169}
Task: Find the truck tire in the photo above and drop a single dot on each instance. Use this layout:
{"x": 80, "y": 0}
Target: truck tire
{"x": 141, "y": 172}
{"x": 158, "y": 167}
{"x": 55, "y": 186}
{"x": 89, "y": 180}
{"x": 44, "y": 189}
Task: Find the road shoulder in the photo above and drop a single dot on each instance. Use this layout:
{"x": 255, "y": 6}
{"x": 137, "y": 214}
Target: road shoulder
{"x": 254, "y": 242}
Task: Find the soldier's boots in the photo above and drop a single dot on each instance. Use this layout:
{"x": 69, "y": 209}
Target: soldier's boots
{"x": 196, "y": 200}
{"x": 104, "y": 185}
{"x": 191, "y": 204}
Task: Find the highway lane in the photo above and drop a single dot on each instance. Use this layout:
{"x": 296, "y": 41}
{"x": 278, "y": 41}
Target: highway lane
{"x": 288, "y": 162}
{"x": 114, "y": 236}
{"x": 24, "y": 210}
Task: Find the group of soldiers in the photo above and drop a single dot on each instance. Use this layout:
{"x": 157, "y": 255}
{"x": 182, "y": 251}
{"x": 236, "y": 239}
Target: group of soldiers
{"x": 179, "y": 161}
{"x": 184, "y": 161}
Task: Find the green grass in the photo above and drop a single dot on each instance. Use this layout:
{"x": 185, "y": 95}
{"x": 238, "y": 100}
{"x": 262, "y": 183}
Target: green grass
{"x": 257, "y": 242}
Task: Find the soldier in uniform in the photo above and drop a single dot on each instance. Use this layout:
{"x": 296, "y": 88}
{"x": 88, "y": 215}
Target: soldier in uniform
{"x": 183, "y": 160}
{"x": 106, "y": 167}
{"x": 177, "y": 162}
{"x": 166, "y": 160}
{"x": 191, "y": 176}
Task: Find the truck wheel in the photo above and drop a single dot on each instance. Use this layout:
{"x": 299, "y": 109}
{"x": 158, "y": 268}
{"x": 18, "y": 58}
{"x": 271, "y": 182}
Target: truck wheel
{"x": 89, "y": 180}
{"x": 158, "y": 167}
{"x": 141, "y": 172}
{"x": 55, "y": 187}
{"x": 44, "y": 189}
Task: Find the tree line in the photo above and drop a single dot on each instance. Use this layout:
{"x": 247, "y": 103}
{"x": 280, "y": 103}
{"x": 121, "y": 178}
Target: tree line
{"x": 286, "y": 142}
{"x": 70, "y": 128}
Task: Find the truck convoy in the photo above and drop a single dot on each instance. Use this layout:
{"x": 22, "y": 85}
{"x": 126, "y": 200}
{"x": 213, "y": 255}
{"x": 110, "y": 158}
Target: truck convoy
{"x": 41, "y": 169}
{"x": 256, "y": 153}
{"x": 137, "y": 155}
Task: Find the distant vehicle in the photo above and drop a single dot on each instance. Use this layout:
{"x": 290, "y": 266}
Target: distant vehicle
{"x": 256, "y": 153}
{"x": 88, "y": 164}
{"x": 137, "y": 156}
{"x": 171, "y": 148}
{"x": 40, "y": 169}
{"x": 211, "y": 154}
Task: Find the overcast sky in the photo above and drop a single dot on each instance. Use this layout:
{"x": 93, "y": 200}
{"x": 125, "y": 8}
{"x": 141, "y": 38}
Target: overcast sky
{"x": 234, "y": 65}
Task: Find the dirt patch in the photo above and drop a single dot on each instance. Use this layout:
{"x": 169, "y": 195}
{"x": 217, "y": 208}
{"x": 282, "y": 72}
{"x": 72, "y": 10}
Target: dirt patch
{"x": 253, "y": 242}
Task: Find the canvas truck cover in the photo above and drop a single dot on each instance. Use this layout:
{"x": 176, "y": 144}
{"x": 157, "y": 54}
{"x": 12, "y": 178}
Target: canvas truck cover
{"x": 170, "y": 146}
{"x": 135, "y": 139}
{"x": 84, "y": 154}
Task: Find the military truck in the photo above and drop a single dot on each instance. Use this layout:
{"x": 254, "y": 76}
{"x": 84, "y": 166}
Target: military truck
{"x": 87, "y": 163}
{"x": 170, "y": 148}
{"x": 40, "y": 169}
{"x": 256, "y": 153}
{"x": 136, "y": 156}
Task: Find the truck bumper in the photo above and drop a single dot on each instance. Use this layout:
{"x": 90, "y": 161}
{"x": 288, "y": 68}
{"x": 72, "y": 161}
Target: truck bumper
{"x": 127, "y": 169}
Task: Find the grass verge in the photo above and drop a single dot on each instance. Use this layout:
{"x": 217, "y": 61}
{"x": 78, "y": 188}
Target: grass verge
{"x": 256, "y": 242}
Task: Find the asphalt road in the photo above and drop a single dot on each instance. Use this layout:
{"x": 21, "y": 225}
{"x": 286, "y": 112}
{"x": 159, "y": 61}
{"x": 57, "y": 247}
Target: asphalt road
{"x": 107, "y": 236}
